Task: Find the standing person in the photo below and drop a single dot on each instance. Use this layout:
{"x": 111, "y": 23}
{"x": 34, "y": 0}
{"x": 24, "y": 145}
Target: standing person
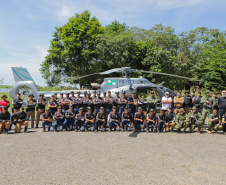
{"x": 47, "y": 119}
{"x": 60, "y": 100}
{"x": 89, "y": 120}
{"x": 4, "y": 120}
{"x": 104, "y": 94}
{"x": 4, "y": 102}
{"x": 56, "y": 98}
{"x": 152, "y": 101}
{"x": 187, "y": 102}
{"x": 181, "y": 121}
{"x": 208, "y": 104}
{"x": 166, "y": 101}
{"x": 170, "y": 119}
{"x": 72, "y": 95}
{"x": 97, "y": 103}
{"x": 52, "y": 104}
{"x": 123, "y": 102}
{"x": 222, "y": 103}
{"x": 144, "y": 105}
{"x": 41, "y": 102}
{"x": 194, "y": 120}
{"x": 139, "y": 120}
{"x": 224, "y": 123}
{"x": 117, "y": 100}
{"x": 192, "y": 94}
{"x": 66, "y": 102}
{"x": 197, "y": 102}
{"x": 161, "y": 121}
{"x": 87, "y": 102}
{"x": 216, "y": 100}
{"x": 78, "y": 102}
{"x": 79, "y": 120}
{"x": 132, "y": 103}
{"x": 101, "y": 120}
{"x": 94, "y": 94}
{"x": 126, "y": 118}
{"x": 20, "y": 118}
{"x": 17, "y": 103}
{"x": 214, "y": 122}
{"x": 178, "y": 102}
{"x": 69, "y": 118}
{"x": 59, "y": 119}
{"x": 31, "y": 103}
{"x": 85, "y": 94}
{"x": 151, "y": 121}
{"x": 114, "y": 120}
{"x": 108, "y": 102}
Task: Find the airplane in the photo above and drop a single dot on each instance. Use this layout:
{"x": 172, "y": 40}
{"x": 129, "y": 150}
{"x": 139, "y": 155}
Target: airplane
{"x": 25, "y": 84}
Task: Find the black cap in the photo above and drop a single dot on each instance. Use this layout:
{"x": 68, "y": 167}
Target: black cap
{"x": 61, "y": 93}
{"x": 171, "y": 108}
{"x": 71, "y": 105}
{"x": 102, "y": 108}
{"x": 94, "y": 91}
{"x": 187, "y": 92}
{"x": 59, "y": 107}
{"x": 193, "y": 91}
{"x": 123, "y": 92}
{"x": 53, "y": 95}
{"x": 114, "y": 107}
{"x": 117, "y": 92}
{"x": 178, "y": 92}
{"x": 89, "y": 108}
{"x": 133, "y": 92}
{"x": 199, "y": 92}
{"x": 89, "y": 93}
{"x": 85, "y": 92}
{"x": 152, "y": 92}
{"x": 78, "y": 92}
{"x": 22, "y": 108}
{"x": 109, "y": 91}
{"x": 5, "y": 108}
{"x": 126, "y": 107}
{"x": 72, "y": 92}
{"x": 29, "y": 95}
{"x": 41, "y": 94}
{"x": 139, "y": 108}
{"x": 151, "y": 110}
{"x": 67, "y": 93}
{"x": 214, "y": 93}
{"x": 104, "y": 92}
{"x": 98, "y": 92}
{"x": 18, "y": 93}
{"x": 142, "y": 94}
{"x": 4, "y": 96}
{"x": 80, "y": 108}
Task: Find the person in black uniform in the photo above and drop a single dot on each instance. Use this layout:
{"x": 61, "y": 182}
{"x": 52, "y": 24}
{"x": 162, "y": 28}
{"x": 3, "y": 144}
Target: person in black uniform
{"x": 139, "y": 120}
{"x": 123, "y": 102}
{"x": 89, "y": 120}
{"x": 151, "y": 121}
{"x": 187, "y": 102}
{"x": 108, "y": 102}
{"x": 114, "y": 120}
{"x": 87, "y": 102}
{"x": 161, "y": 121}
{"x": 4, "y": 120}
{"x": 97, "y": 103}
{"x": 47, "y": 119}
{"x": 101, "y": 120}
{"x": 216, "y": 99}
{"x": 20, "y": 118}
{"x": 132, "y": 101}
{"x": 66, "y": 102}
{"x": 197, "y": 102}
{"x": 59, "y": 119}
{"x": 222, "y": 103}
{"x": 41, "y": 102}
{"x": 117, "y": 100}
{"x": 77, "y": 102}
{"x": 224, "y": 122}
{"x": 126, "y": 119}
{"x": 52, "y": 104}
{"x": 170, "y": 119}
{"x": 17, "y": 103}
{"x": 31, "y": 103}
{"x": 79, "y": 120}
{"x": 69, "y": 118}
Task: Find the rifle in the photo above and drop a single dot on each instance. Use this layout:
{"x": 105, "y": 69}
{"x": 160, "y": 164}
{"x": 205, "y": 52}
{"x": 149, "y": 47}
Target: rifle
{"x": 196, "y": 120}
{"x": 210, "y": 104}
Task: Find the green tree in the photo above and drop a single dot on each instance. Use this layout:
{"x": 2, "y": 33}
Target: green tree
{"x": 72, "y": 50}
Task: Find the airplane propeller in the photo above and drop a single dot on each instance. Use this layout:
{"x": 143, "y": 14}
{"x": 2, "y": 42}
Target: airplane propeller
{"x": 127, "y": 70}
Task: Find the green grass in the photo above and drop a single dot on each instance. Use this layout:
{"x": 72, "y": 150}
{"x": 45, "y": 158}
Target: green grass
{"x": 9, "y": 98}
{"x": 6, "y": 87}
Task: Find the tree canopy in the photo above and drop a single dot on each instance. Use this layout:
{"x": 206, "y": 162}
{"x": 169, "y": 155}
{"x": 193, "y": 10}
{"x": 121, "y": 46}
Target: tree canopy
{"x": 82, "y": 46}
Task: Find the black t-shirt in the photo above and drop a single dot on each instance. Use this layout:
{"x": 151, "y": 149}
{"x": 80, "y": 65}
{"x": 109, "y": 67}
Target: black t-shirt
{"x": 132, "y": 100}
{"x": 222, "y": 102}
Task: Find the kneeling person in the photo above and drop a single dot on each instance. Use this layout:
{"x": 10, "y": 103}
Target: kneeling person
{"x": 151, "y": 121}
{"x": 126, "y": 119}
{"x": 47, "y": 119}
{"x": 139, "y": 120}
{"x": 161, "y": 121}
{"x": 89, "y": 120}
{"x": 114, "y": 120}
{"x": 194, "y": 120}
{"x": 224, "y": 122}
{"x": 20, "y": 118}
{"x": 214, "y": 122}
{"x": 101, "y": 120}
{"x": 170, "y": 119}
{"x": 59, "y": 119}
{"x": 79, "y": 120}
{"x": 70, "y": 117}
{"x": 4, "y": 120}
{"x": 181, "y": 121}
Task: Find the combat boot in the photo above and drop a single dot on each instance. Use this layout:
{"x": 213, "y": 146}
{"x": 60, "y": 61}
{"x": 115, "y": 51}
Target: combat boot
{"x": 25, "y": 130}
{"x": 6, "y": 132}
{"x": 36, "y": 126}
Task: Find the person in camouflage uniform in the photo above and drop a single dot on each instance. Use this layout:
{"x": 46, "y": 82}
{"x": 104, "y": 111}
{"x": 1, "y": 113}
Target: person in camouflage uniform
{"x": 181, "y": 121}
{"x": 214, "y": 122}
{"x": 152, "y": 100}
{"x": 208, "y": 104}
{"x": 194, "y": 120}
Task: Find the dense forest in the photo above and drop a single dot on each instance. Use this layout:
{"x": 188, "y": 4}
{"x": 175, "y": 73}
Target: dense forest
{"x": 83, "y": 46}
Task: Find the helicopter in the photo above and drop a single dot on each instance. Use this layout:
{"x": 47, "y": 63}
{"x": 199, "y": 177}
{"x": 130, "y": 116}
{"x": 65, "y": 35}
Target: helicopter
{"x": 25, "y": 84}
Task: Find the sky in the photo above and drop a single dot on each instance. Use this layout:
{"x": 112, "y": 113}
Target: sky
{"x": 26, "y": 26}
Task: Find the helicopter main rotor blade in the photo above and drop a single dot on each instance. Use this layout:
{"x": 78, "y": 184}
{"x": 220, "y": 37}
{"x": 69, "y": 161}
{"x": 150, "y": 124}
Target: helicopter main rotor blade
{"x": 77, "y": 78}
{"x": 166, "y": 74}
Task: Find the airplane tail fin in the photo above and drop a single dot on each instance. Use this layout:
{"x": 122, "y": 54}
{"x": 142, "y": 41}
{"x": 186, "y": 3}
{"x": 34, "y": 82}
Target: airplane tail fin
{"x": 25, "y": 84}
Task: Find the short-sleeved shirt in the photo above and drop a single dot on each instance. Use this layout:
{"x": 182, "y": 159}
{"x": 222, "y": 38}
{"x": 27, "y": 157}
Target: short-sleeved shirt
{"x": 89, "y": 116}
{"x": 53, "y": 103}
{"x": 79, "y": 116}
{"x": 59, "y": 115}
{"x": 114, "y": 116}
{"x": 46, "y": 116}
{"x": 17, "y": 103}
{"x": 140, "y": 116}
{"x": 66, "y": 107}
{"x": 132, "y": 100}
{"x": 165, "y": 106}
{"x": 4, "y": 103}
{"x": 151, "y": 117}
{"x": 213, "y": 117}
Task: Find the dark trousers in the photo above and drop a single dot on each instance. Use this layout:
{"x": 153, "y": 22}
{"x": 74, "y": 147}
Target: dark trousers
{"x": 138, "y": 125}
{"x": 100, "y": 123}
{"x": 78, "y": 124}
{"x": 113, "y": 124}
